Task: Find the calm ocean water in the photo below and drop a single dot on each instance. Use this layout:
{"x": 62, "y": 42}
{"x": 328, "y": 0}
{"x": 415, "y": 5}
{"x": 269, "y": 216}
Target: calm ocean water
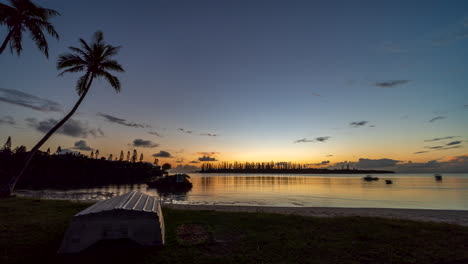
{"x": 419, "y": 191}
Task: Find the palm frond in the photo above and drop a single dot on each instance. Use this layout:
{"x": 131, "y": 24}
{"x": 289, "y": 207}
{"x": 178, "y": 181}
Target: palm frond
{"x": 111, "y": 51}
{"x": 72, "y": 69}
{"x": 82, "y": 83}
{"x": 112, "y": 65}
{"x": 16, "y": 38}
{"x": 114, "y": 81}
{"x": 38, "y": 38}
{"x": 70, "y": 60}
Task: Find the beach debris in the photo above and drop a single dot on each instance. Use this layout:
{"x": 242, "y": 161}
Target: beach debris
{"x": 370, "y": 178}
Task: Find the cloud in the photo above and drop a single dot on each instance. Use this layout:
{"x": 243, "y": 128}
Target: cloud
{"x": 325, "y": 162}
{"x": 185, "y": 169}
{"x": 155, "y": 133}
{"x": 121, "y": 121}
{"x": 421, "y": 152}
{"x": 436, "y": 118}
{"x": 141, "y": 143}
{"x": 7, "y": 120}
{"x": 162, "y": 154}
{"x": 376, "y": 163}
{"x": 315, "y": 94}
{"x": 424, "y": 165}
{"x": 208, "y": 134}
{"x": 194, "y": 161}
{"x": 209, "y": 154}
{"x": 185, "y": 131}
{"x": 206, "y": 158}
{"x": 329, "y": 156}
{"x": 82, "y": 145}
{"x": 442, "y": 138}
{"x": 453, "y": 147}
{"x": 454, "y": 143}
{"x": 72, "y": 128}
{"x": 29, "y": 101}
{"x": 358, "y": 124}
{"x": 465, "y": 105}
{"x": 317, "y": 139}
{"x": 435, "y": 147}
{"x": 457, "y": 32}
{"x": 391, "y": 84}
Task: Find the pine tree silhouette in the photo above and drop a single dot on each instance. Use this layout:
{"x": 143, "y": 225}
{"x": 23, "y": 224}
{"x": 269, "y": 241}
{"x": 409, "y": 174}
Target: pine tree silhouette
{"x": 121, "y": 156}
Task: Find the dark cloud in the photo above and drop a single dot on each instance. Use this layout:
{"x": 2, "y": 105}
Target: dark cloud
{"x": 72, "y": 128}
{"x": 185, "y": 131}
{"x": 162, "y": 154}
{"x": 435, "y": 147}
{"x": 437, "y": 118}
{"x": 315, "y": 94}
{"x": 209, "y": 154}
{"x": 442, "y": 138}
{"x": 454, "y": 143}
{"x": 465, "y": 105}
{"x": 425, "y": 165}
{"x": 358, "y": 123}
{"x": 376, "y": 163}
{"x": 179, "y": 160}
{"x": 420, "y": 152}
{"x": 155, "y": 133}
{"x": 121, "y": 121}
{"x": 208, "y": 134}
{"x": 141, "y": 143}
{"x": 325, "y": 162}
{"x": 329, "y": 156}
{"x": 453, "y": 147}
{"x": 29, "y": 101}
{"x": 372, "y": 126}
{"x": 391, "y": 84}
{"x": 194, "y": 161}
{"x": 317, "y": 139}
{"x": 7, "y": 120}
{"x": 82, "y": 145}
{"x": 207, "y": 158}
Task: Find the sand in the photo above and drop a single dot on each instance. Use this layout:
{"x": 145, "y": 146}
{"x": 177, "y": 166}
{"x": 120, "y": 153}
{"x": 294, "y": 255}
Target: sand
{"x": 459, "y": 217}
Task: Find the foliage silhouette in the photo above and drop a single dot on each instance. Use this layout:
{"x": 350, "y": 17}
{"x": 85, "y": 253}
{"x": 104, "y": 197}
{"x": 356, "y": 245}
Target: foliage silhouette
{"x": 22, "y": 15}
{"x": 73, "y": 170}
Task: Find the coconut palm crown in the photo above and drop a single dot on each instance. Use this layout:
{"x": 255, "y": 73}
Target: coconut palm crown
{"x": 94, "y": 59}
{"x": 22, "y": 15}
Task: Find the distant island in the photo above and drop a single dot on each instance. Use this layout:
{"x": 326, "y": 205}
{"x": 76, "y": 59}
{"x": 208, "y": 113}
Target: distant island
{"x": 280, "y": 168}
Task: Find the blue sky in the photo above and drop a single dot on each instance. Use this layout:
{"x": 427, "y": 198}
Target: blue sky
{"x": 260, "y": 75}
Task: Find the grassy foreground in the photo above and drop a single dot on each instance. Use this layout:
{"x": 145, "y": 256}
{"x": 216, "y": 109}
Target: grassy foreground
{"x": 31, "y": 232}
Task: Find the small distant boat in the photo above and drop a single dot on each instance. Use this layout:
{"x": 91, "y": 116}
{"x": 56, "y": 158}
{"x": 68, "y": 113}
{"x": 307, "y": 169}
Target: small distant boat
{"x": 438, "y": 177}
{"x": 370, "y": 178}
{"x": 388, "y": 181}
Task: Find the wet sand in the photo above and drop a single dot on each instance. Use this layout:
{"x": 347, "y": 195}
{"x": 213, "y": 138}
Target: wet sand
{"x": 459, "y": 217}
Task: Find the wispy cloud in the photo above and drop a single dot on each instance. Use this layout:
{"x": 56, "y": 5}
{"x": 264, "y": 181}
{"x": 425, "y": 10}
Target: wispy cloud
{"x": 206, "y": 158}
{"x": 209, "y": 154}
{"x": 442, "y": 138}
{"x": 122, "y": 121}
{"x": 185, "y": 130}
{"x": 454, "y": 143}
{"x": 141, "y": 143}
{"x": 457, "y": 32}
{"x": 72, "y": 128}
{"x": 29, "y": 101}
{"x": 316, "y": 94}
{"x": 358, "y": 123}
{"x": 82, "y": 145}
{"x": 208, "y": 134}
{"x": 391, "y": 83}
{"x": 162, "y": 154}
{"x": 421, "y": 152}
{"x": 436, "y": 118}
{"x": 317, "y": 139}
{"x": 7, "y": 120}
{"x": 155, "y": 133}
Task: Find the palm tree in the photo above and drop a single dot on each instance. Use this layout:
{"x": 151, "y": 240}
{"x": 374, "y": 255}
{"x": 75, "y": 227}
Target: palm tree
{"x": 95, "y": 60}
{"x": 24, "y": 15}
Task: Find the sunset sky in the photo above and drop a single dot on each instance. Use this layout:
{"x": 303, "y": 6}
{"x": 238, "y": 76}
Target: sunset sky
{"x": 305, "y": 81}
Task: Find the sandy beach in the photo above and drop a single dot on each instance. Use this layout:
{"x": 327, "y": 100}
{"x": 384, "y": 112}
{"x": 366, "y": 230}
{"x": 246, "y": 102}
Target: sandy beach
{"x": 459, "y": 217}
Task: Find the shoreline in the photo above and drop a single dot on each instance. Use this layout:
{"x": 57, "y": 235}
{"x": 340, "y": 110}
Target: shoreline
{"x": 459, "y": 217}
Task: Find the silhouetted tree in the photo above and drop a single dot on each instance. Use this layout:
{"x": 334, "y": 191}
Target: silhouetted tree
{"x": 141, "y": 157}
{"x": 95, "y": 60}
{"x": 110, "y": 157}
{"x": 121, "y": 156}
{"x": 96, "y": 154}
{"x": 7, "y": 145}
{"x": 20, "y": 149}
{"x": 156, "y": 161}
{"x": 134, "y": 156}
{"x": 59, "y": 149}
{"x": 128, "y": 155}
{"x": 91, "y": 156}
{"x": 166, "y": 167}
{"x": 22, "y": 15}
{"x": 48, "y": 151}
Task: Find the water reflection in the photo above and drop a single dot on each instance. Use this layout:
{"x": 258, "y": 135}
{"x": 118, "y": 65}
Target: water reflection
{"x": 407, "y": 191}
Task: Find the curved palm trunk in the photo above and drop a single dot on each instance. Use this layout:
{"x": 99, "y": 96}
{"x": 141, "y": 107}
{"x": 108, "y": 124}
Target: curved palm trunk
{"x": 5, "y": 42}
{"x": 33, "y": 151}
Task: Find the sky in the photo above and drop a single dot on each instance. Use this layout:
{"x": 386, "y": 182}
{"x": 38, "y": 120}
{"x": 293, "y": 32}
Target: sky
{"x": 382, "y": 84}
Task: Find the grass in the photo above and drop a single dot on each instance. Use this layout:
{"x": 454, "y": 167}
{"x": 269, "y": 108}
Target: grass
{"x": 31, "y": 232}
